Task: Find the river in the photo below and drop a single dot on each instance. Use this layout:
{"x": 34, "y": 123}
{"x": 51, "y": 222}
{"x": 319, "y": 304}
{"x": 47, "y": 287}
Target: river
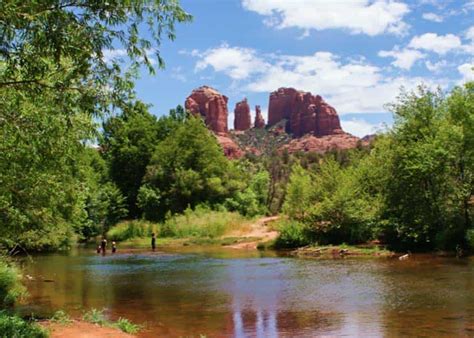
{"x": 231, "y": 293}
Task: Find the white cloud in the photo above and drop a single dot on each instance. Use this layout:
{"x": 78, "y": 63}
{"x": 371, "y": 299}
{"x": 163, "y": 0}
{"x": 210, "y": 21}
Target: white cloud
{"x": 433, "y": 42}
{"x": 177, "y": 74}
{"x": 121, "y": 55}
{"x": 352, "y": 86}
{"x": 470, "y": 33}
{"x": 112, "y": 54}
{"x": 236, "y": 62}
{"x": 360, "y": 127}
{"x": 467, "y": 72}
{"x": 404, "y": 58}
{"x": 432, "y": 17}
{"x": 435, "y": 67}
{"x": 357, "y": 16}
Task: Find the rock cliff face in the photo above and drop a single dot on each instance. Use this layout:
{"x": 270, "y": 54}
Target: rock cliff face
{"x": 211, "y": 105}
{"x": 310, "y": 143}
{"x": 304, "y": 112}
{"x": 297, "y": 121}
{"x": 259, "y": 121}
{"x": 242, "y": 120}
{"x": 229, "y": 147}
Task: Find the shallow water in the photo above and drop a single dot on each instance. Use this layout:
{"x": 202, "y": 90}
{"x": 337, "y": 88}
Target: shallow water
{"x": 224, "y": 293}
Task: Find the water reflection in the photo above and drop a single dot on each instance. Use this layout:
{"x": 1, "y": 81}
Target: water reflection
{"x": 188, "y": 294}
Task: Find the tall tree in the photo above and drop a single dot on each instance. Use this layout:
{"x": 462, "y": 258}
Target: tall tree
{"x": 187, "y": 168}
{"x": 56, "y": 75}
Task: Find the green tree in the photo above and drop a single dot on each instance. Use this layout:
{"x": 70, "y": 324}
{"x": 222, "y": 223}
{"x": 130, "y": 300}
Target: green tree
{"x": 55, "y": 77}
{"x": 128, "y": 143}
{"x": 187, "y": 168}
{"x": 299, "y": 193}
{"x": 429, "y": 162}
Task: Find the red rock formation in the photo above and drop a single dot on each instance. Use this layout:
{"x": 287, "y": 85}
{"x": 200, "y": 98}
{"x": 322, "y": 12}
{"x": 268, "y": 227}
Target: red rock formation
{"x": 310, "y": 143}
{"x": 259, "y": 121}
{"x": 230, "y": 148}
{"x": 304, "y": 112}
{"x": 242, "y": 120}
{"x": 211, "y": 105}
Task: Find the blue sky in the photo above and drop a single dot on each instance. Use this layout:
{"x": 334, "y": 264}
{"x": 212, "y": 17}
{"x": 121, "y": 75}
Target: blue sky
{"x": 355, "y": 53}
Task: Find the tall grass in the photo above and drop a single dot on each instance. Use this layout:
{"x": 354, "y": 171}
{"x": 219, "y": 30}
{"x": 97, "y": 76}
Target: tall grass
{"x": 11, "y": 288}
{"x": 199, "y": 223}
{"x": 132, "y": 229}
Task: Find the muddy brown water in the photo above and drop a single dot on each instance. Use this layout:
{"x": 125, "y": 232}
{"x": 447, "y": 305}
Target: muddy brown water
{"x": 231, "y": 293}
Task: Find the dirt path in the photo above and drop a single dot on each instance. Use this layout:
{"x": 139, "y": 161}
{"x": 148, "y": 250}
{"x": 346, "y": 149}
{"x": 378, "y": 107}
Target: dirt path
{"x": 259, "y": 229}
{"x": 80, "y": 329}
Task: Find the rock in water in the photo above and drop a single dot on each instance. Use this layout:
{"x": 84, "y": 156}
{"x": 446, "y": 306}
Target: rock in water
{"x": 211, "y": 106}
{"x": 242, "y": 120}
{"x": 259, "y": 121}
{"x": 304, "y": 112}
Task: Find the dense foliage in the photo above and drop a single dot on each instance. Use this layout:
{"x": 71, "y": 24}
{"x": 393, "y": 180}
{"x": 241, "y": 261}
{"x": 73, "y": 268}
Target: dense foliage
{"x": 56, "y": 79}
{"x": 413, "y": 190}
{"x": 63, "y": 178}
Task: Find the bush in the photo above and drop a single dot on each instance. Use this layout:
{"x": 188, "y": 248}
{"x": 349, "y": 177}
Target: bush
{"x": 131, "y": 229}
{"x": 292, "y": 235}
{"x": 11, "y": 288}
{"x": 61, "y": 317}
{"x": 95, "y": 316}
{"x": 15, "y": 327}
{"x": 470, "y": 238}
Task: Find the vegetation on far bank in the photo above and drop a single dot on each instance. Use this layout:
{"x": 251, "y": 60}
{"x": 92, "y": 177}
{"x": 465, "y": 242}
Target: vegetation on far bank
{"x": 198, "y": 223}
{"x": 411, "y": 189}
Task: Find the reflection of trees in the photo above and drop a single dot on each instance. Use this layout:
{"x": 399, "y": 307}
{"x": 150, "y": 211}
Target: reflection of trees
{"x": 266, "y": 301}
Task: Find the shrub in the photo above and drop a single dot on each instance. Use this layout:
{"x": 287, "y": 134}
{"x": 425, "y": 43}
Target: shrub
{"x": 470, "y": 238}
{"x": 15, "y": 327}
{"x": 292, "y": 235}
{"x": 126, "y": 326}
{"x": 11, "y": 288}
{"x": 61, "y": 317}
{"x": 95, "y": 316}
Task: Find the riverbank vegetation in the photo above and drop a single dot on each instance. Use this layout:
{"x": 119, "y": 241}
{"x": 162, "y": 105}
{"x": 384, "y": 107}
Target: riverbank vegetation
{"x": 198, "y": 223}
{"x": 412, "y": 189}
{"x": 11, "y": 291}
{"x": 81, "y": 154}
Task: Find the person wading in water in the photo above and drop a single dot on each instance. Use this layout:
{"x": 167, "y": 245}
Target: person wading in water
{"x": 153, "y": 241}
{"x": 114, "y": 247}
{"x": 103, "y": 245}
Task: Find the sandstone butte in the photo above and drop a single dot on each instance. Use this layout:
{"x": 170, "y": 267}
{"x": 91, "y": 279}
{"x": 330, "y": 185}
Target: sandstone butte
{"x": 242, "y": 119}
{"x": 211, "y": 105}
{"x": 313, "y": 123}
{"x": 259, "y": 121}
{"x": 304, "y": 112}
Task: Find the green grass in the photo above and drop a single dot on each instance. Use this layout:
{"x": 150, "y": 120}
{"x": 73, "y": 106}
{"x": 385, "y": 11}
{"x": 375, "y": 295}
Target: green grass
{"x": 126, "y": 326}
{"x": 61, "y": 317}
{"x": 95, "y": 316}
{"x": 131, "y": 229}
{"x": 200, "y": 223}
{"x": 15, "y": 327}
